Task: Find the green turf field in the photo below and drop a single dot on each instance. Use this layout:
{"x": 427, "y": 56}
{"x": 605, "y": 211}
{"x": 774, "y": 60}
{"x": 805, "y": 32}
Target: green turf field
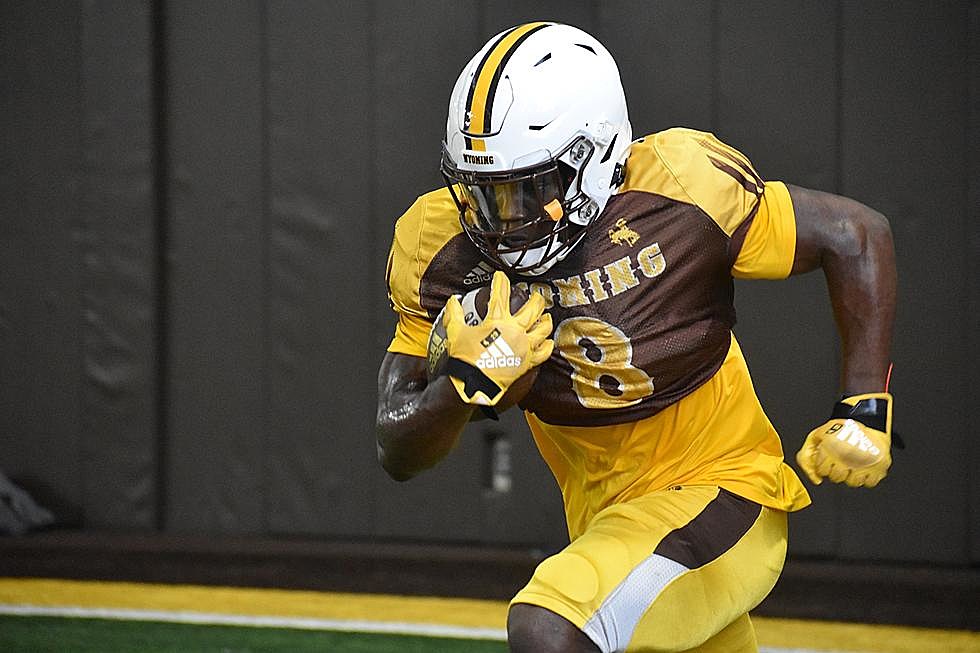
{"x": 63, "y": 635}
{"x": 55, "y": 615}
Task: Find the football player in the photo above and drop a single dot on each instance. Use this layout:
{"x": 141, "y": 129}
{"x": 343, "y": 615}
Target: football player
{"x": 675, "y": 488}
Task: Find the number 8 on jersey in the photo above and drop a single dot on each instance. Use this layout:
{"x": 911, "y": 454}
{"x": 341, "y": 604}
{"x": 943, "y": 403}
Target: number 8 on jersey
{"x": 601, "y": 356}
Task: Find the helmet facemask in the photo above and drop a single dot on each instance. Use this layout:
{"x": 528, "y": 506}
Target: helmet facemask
{"x": 525, "y": 219}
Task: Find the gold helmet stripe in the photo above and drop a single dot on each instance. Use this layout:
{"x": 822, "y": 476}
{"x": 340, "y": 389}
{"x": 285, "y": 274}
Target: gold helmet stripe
{"x": 479, "y": 103}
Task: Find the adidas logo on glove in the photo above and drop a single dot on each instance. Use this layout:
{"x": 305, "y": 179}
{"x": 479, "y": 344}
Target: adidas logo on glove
{"x": 851, "y": 433}
{"x": 497, "y": 353}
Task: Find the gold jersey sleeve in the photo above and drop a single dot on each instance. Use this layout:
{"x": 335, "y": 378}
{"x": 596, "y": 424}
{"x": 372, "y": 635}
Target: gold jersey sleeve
{"x": 411, "y": 336}
{"x": 419, "y": 235}
{"x": 694, "y": 167}
{"x": 770, "y": 243}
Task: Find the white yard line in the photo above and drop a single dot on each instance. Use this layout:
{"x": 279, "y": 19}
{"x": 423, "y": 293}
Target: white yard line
{"x": 302, "y": 623}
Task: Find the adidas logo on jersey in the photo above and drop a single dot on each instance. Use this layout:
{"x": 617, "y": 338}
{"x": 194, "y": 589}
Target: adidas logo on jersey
{"x": 479, "y": 276}
{"x": 497, "y": 353}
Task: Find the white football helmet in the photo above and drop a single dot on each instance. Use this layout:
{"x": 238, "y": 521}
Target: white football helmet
{"x": 535, "y": 141}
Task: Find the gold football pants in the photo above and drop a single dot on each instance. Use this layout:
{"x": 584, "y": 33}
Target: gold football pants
{"x": 676, "y": 570}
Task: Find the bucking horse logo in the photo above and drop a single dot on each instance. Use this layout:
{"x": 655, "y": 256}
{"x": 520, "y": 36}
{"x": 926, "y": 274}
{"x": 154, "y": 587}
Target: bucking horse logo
{"x": 623, "y": 235}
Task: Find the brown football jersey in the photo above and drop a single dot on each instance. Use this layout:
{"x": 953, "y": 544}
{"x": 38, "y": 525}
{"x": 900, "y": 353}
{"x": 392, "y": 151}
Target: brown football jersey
{"x": 642, "y": 308}
{"x": 647, "y": 387}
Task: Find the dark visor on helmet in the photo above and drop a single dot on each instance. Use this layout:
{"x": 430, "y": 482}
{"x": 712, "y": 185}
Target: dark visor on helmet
{"x": 500, "y": 201}
{"x": 511, "y": 212}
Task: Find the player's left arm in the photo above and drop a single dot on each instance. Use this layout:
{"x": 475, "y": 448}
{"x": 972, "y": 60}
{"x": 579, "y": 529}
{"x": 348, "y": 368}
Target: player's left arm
{"x": 852, "y": 244}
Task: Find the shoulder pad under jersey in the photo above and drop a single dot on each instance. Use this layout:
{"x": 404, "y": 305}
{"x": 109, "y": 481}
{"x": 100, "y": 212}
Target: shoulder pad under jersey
{"x": 419, "y": 235}
{"x": 694, "y": 167}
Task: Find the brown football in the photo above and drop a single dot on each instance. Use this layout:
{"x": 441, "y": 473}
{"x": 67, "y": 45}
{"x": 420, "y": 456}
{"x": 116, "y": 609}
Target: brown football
{"x": 474, "y": 305}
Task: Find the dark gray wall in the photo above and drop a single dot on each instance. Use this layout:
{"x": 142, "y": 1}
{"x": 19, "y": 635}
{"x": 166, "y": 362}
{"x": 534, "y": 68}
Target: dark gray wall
{"x": 196, "y": 200}
{"x": 78, "y": 266}
{"x": 41, "y": 372}
{"x": 972, "y": 304}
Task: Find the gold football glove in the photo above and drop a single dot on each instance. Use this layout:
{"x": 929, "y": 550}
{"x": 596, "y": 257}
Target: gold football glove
{"x": 854, "y": 446}
{"x": 484, "y": 360}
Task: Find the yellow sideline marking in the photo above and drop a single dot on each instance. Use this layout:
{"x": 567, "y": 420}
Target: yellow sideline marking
{"x": 782, "y": 634}
{"x": 836, "y": 636}
{"x": 254, "y": 602}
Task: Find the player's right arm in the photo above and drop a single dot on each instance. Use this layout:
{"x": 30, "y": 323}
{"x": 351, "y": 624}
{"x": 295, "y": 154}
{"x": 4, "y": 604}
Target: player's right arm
{"x": 418, "y": 423}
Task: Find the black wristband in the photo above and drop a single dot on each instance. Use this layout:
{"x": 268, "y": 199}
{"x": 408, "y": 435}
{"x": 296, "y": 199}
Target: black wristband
{"x": 870, "y": 412}
{"x": 473, "y": 378}
{"x": 873, "y": 413}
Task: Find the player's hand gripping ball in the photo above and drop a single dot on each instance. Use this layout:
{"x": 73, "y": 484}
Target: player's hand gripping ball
{"x": 490, "y": 342}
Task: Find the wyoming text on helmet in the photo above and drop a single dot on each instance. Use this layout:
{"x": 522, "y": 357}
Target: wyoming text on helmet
{"x": 535, "y": 141}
